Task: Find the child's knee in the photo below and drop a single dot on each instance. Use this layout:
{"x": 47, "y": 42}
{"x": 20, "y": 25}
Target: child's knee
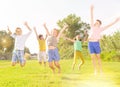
{"x": 50, "y": 65}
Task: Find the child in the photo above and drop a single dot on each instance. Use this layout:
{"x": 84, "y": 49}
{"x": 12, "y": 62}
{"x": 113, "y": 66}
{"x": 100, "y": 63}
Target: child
{"x": 53, "y": 54}
{"x": 77, "y": 51}
{"x": 94, "y": 37}
{"x": 18, "y": 53}
{"x": 42, "y": 48}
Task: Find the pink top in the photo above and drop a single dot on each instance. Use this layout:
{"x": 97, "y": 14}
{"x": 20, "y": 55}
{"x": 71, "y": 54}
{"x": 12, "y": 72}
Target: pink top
{"x": 95, "y": 33}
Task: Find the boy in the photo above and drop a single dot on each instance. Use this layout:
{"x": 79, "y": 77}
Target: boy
{"x": 18, "y": 53}
{"x": 94, "y": 37}
{"x": 42, "y": 48}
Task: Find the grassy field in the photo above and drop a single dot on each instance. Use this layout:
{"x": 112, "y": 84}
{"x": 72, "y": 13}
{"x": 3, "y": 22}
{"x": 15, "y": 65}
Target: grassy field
{"x": 34, "y": 75}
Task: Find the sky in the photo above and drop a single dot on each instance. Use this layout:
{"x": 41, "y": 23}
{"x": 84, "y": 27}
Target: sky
{"x": 14, "y": 13}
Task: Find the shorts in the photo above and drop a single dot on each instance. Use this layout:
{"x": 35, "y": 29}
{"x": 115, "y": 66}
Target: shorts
{"x": 42, "y": 56}
{"x": 94, "y": 47}
{"x": 53, "y": 55}
{"x": 18, "y": 55}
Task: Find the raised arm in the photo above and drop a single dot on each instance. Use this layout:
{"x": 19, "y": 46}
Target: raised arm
{"x": 35, "y": 32}
{"x": 60, "y": 33}
{"x": 69, "y": 39}
{"x": 46, "y": 29}
{"x": 112, "y": 23}
{"x": 26, "y": 24}
{"x": 45, "y": 37}
{"x": 9, "y": 31}
{"x": 91, "y": 15}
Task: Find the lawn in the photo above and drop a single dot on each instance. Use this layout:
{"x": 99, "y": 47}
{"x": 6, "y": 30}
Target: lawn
{"x": 35, "y": 75}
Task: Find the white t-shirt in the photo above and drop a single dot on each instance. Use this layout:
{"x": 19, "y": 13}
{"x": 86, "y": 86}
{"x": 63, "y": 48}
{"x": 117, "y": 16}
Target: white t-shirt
{"x": 20, "y": 41}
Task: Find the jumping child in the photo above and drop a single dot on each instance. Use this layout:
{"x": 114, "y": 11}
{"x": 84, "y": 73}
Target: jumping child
{"x": 53, "y": 54}
{"x": 77, "y": 51}
{"x": 42, "y": 48}
{"x": 94, "y": 38}
{"x": 18, "y": 53}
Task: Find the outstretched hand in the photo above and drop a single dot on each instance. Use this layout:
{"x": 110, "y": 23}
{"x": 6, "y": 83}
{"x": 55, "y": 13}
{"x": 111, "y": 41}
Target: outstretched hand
{"x": 8, "y": 28}
{"x": 9, "y": 31}
{"x": 25, "y": 23}
{"x": 44, "y": 24}
{"x": 92, "y": 6}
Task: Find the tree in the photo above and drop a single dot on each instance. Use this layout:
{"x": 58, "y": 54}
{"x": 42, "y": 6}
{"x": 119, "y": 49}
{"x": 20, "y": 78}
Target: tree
{"x": 27, "y": 50}
{"x": 75, "y": 26}
{"x": 6, "y": 45}
{"x": 6, "y": 42}
{"x": 111, "y": 47}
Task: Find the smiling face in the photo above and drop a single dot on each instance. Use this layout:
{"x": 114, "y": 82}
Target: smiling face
{"x": 18, "y": 31}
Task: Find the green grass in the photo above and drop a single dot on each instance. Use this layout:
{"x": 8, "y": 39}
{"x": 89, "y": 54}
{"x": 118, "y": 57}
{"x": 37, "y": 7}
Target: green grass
{"x": 35, "y": 75}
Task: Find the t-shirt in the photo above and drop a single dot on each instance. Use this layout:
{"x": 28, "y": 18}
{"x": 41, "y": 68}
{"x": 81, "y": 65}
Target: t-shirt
{"x": 77, "y": 45}
{"x": 95, "y": 33}
{"x": 20, "y": 41}
{"x": 42, "y": 45}
{"x": 52, "y": 41}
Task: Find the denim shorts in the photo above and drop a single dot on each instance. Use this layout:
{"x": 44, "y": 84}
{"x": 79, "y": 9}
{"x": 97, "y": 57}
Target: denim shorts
{"x": 94, "y": 47}
{"x": 53, "y": 55}
{"x": 18, "y": 55}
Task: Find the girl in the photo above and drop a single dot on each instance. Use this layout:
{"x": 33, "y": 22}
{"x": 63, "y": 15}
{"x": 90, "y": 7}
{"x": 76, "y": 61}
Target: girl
{"x": 77, "y": 51}
{"x": 53, "y": 54}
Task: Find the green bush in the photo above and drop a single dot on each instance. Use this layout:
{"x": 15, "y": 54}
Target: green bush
{"x": 110, "y": 55}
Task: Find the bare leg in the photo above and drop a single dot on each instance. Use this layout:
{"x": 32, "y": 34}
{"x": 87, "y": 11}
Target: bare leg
{"x": 22, "y": 65}
{"x": 99, "y": 62}
{"x": 40, "y": 62}
{"x": 93, "y": 57}
{"x": 58, "y": 66}
{"x": 45, "y": 64}
{"x": 73, "y": 65}
{"x": 52, "y": 67}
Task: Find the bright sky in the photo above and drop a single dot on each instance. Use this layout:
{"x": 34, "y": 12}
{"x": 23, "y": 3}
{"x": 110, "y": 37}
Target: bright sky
{"x": 14, "y": 13}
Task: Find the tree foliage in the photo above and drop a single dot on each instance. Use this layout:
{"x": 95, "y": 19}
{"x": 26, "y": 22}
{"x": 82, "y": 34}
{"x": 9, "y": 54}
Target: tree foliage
{"x": 111, "y": 47}
{"x": 75, "y": 26}
{"x": 6, "y": 42}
